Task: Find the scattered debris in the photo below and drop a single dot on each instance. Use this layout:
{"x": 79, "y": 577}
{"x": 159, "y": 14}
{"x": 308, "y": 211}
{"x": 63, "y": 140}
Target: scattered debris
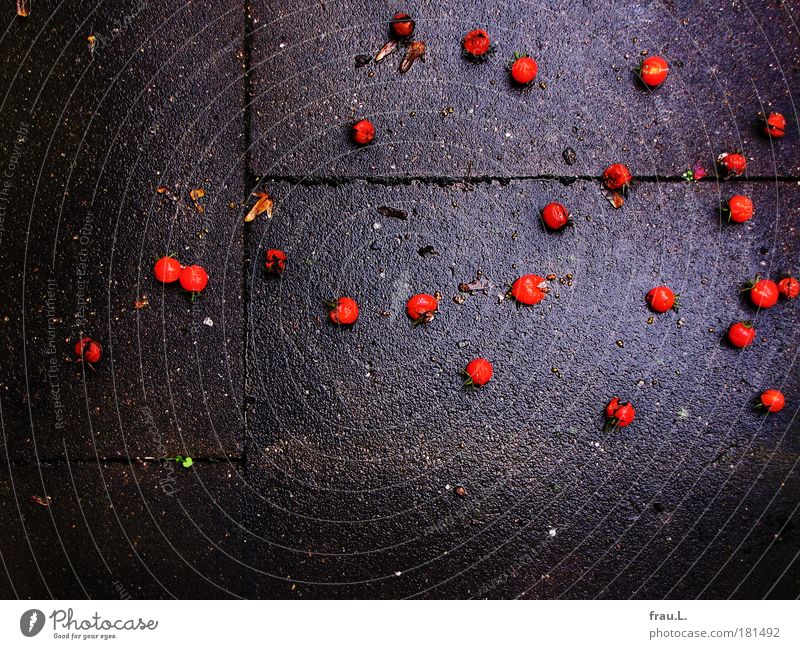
{"x": 196, "y": 195}
{"x": 166, "y": 192}
{"x": 44, "y": 502}
{"x": 415, "y": 51}
{"x": 362, "y": 60}
{"x": 393, "y": 213}
{"x": 570, "y": 157}
{"x": 386, "y": 50}
{"x": 478, "y": 284}
{"x": 265, "y": 203}
{"x": 141, "y": 303}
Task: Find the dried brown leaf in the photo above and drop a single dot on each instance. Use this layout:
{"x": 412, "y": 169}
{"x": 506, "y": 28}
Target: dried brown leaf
{"x": 140, "y": 304}
{"x": 393, "y": 213}
{"x": 386, "y": 50}
{"x": 263, "y": 204}
{"x": 40, "y": 501}
{"x": 414, "y": 51}
{"x": 616, "y": 199}
{"x": 196, "y": 195}
{"x": 23, "y": 8}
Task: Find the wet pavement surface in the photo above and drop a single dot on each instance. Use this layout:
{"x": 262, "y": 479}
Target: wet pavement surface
{"x": 351, "y": 461}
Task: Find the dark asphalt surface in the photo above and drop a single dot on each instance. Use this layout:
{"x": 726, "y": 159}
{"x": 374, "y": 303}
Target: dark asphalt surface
{"x": 326, "y": 459}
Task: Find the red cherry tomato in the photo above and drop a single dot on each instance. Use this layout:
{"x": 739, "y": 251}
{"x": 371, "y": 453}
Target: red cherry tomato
{"x": 529, "y": 289}
{"x": 402, "y": 25}
{"x": 619, "y": 414}
{"x": 654, "y": 71}
{"x": 555, "y": 216}
{"x": 167, "y": 270}
{"x": 617, "y": 176}
{"x": 422, "y": 307}
{"x": 764, "y": 293}
{"x": 363, "y": 132}
{"x": 775, "y": 125}
{"x": 194, "y": 279}
{"x": 479, "y": 371}
{"x": 524, "y": 70}
{"x": 344, "y": 311}
{"x": 476, "y": 43}
{"x": 740, "y": 209}
{"x": 741, "y": 334}
{"x": 89, "y": 350}
{"x": 789, "y": 288}
{"x": 661, "y": 299}
{"x": 276, "y": 261}
{"x": 732, "y": 164}
{"x": 772, "y": 400}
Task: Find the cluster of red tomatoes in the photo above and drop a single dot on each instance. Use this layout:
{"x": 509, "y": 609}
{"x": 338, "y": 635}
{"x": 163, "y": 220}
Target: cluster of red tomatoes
{"x": 528, "y": 289}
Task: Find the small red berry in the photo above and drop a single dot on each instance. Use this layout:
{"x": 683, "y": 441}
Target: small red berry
{"x": 772, "y": 400}
{"x": 276, "y": 261}
{"x": 555, "y": 216}
{"x": 422, "y": 307}
{"x": 479, "y": 371}
{"x": 789, "y": 287}
{"x": 740, "y": 209}
{"x": 167, "y": 270}
{"x": 661, "y": 299}
{"x": 733, "y": 164}
{"x": 88, "y": 350}
{"x": 619, "y": 415}
{"x": 774, "y": 125}
{"x": 524, "y": 70}
{"x": 617, "y": 176}
{"x": 363, "y": 132}
{"x": 402, "y": 25}
{"x": 194, "y": 279}
{"x": 764, "y": 293}
{"x": 344, "y": 311}
{"x": 653, "y": 71}
{"x": 741, "y": 334}
{"x": 476, "y": 43}
{"x": 529, "y": 289}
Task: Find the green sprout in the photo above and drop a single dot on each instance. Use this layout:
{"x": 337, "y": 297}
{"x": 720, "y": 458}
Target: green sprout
{"x": 186, "y": 462}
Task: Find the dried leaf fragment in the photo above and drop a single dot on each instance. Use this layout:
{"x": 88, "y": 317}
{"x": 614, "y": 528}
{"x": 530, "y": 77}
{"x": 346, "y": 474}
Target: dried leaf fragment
{"x": 386, "y": 50}
{"x": 414, "y": 51}
{"x": 478, "y": 284}
{"x": 23, "y": 8}
{"x": 140, "y": 304}
{"x": 393, "y": 213}
{"x": 616, "y": 199}
{"x": 40, "y": 501}
{"x": 196, "y": 195}
{"x": 166, "y": 192}
{"x": 263, "y": 204}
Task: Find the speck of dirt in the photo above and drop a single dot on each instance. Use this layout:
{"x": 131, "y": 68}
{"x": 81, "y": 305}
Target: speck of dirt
{"x": 362, "y": 60}
{"x": 621, "y": 344}
{"x": 570, "y": 157}
{"x": 460, "y": 491}
{"x": 651, "y": 320}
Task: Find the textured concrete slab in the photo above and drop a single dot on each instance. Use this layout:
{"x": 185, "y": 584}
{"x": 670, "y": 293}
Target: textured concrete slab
{"x": 147, "y": 530}
{"x": 358, "y": 436}
{"x": 156, "y": 103}
{"x": 449, "y": 116}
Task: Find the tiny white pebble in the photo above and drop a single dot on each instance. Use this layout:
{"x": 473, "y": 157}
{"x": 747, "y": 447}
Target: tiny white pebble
{"x": 376, "y": 226}
{"x": 552, "y": 531}
{"x": 208, "y": 322}
{"x": 398, "y": 573}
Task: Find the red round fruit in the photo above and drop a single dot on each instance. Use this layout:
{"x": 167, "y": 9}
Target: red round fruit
{"x": 479, "y": 371}
{"x": 555, "y": 216}
{"x": 524, "y": 70}
{"x": 661, "y": 299}
{"x": 344, "y": 311}
{"x": 363, "y": 132}
{"x": 619, "y": 414}
{"x": 617, "y": 176}
{"x": 529, "y": 289}
{"x": 476, "y": 43}
{"x": 741, "y": 334}
{"x": 764, "y": 293}
{"x": 402, "y": 25}
{"x": 775, "y": 125}
{"x": 772, "y": 400}
{"x": 167, "y": 270}
{"x": 422, "y": 307}
{"x": 276, "y": 261}
{"x": 89, "y": 350}
{"x": 733, "y": 164}
{"x": 740, "y": 209}
{"x": 789, "y": 287}
{"x": 653, "y": 71}
{"x": 194, "y": 279}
